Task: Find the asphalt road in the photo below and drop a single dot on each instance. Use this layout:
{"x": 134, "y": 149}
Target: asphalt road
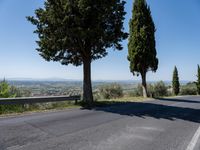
{"x": 165, "y": 124}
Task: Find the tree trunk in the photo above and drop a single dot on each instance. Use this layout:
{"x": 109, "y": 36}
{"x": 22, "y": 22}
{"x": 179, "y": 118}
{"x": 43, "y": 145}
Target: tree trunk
{"x": 144, "y": 85}
{"x": 87, "y": 85}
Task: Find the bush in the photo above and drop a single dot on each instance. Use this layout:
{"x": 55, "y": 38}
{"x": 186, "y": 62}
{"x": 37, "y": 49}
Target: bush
{"x": 188, "y": 91}
{"x": 7, "y": 91}
{"x": 97, "y": 95}
{"x": 150, "y": 90}
{"x": 154, "y": 90}
{"x": 159, "y": 89}
{"x": 136, "y": 92}
{"x": 111, "y": 91}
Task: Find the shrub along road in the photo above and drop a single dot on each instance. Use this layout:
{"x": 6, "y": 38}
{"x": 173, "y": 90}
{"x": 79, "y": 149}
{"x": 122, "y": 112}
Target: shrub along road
{"x": 165, "y": 124}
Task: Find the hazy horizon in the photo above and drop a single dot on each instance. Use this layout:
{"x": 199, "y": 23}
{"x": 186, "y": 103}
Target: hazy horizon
{"x": 80, "y": 80}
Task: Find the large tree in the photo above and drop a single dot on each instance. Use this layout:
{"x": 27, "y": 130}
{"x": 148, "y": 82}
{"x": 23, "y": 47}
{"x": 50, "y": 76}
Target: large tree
{"x": 79, "y": 31}
{"x": 142, "y": 46}
{"x": 175, "y": 82}
{"x": 198, "y": 80}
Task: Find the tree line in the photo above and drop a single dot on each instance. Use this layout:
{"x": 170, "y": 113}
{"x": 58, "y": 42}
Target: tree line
{"x": 78, "y": 32}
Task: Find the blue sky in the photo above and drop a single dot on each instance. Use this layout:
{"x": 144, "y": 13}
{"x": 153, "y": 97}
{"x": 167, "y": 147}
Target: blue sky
{"x": 177, "y": 36}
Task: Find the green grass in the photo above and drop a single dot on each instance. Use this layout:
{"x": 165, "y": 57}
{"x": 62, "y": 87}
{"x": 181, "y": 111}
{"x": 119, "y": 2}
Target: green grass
{"x": 19, "y": 109}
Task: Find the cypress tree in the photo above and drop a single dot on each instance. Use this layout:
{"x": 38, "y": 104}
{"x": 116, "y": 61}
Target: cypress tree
{"x": 175, "y": 82}
{"x": 78, "y": 32}
{"x": 142, "y": 45}
{"x": 198, "y": 80}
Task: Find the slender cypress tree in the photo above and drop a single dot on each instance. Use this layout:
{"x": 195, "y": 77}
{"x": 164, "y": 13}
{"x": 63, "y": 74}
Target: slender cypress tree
{"x": 175, "y": 82}
{"x": 198, "y": 80}
{"x": 142, "y": 45}
{"x": 78, "y": 32}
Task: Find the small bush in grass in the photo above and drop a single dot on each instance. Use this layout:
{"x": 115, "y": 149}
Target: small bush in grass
{"x": 132, "y": 94}
{"x": 111, "y": 91}
{"x": 159, "y": 89}
{"x": 150, "y": 88}
{"x": 97, "y": 95}
{"x": 7, "y": 91}
{"x": 136, "y": 91}
{"x": 188, "y": 91}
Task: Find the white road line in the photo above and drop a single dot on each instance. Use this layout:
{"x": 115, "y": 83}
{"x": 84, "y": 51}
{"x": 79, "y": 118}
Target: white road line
{"x": 194, "y": 140}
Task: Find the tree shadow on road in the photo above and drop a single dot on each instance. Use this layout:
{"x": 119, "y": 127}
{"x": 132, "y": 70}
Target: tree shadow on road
{"x": 179, "y": 100}
{"x": 153, "y": 109}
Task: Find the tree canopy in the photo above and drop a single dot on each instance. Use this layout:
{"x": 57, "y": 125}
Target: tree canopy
{"x": 71, "y": 30}
{"x": 142, "y": 46}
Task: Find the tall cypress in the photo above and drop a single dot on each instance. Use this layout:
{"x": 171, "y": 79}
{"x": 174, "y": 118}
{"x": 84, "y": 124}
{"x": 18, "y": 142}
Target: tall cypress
{"x": 142, "y": 45}
{"x": 175, "y": 82}
{"x": 198, "y": 80}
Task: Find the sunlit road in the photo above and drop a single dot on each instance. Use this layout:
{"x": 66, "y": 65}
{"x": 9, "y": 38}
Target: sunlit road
{"x": 165, "y": 124}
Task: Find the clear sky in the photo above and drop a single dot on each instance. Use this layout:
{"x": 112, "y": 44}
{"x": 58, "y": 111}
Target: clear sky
{"x": 178, "y": 43}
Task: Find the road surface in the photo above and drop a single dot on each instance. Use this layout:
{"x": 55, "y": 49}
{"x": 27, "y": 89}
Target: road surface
{"x": 165, "y": 124}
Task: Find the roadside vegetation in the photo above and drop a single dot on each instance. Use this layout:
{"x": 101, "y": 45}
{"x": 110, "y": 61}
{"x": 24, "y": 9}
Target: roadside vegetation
{"x": 105, "y": 94}
{"x": 189, "y": 89}
{"x": 8, "y": 91}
